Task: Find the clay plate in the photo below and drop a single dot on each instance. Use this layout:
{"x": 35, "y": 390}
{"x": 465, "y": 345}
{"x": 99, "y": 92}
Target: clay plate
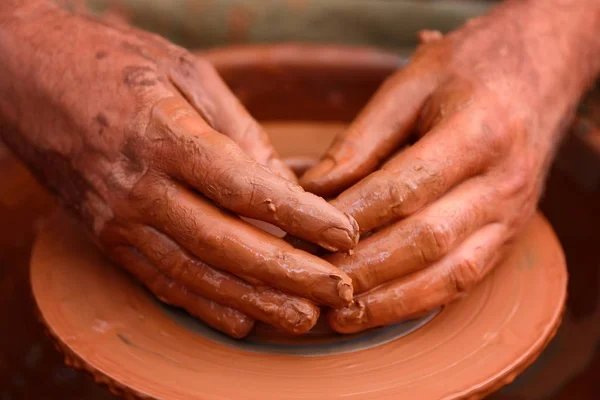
{"x": 110, "y": 326}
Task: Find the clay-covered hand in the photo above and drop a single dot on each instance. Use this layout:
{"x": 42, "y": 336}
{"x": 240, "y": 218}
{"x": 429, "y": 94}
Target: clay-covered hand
{"x": 488, "y": 104}
{"x": 147, "y": 145}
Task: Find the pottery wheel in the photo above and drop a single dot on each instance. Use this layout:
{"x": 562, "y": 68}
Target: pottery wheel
{"x": 110, "y": 326}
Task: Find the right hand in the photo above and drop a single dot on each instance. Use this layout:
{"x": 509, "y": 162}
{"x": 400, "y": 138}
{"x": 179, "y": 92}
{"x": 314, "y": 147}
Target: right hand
{"x": 156, "y": 156}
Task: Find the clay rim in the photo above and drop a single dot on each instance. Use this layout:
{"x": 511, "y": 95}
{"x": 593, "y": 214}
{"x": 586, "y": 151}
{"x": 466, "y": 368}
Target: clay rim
{"x": 502, "y": 378}
{"x": 342, "y": 344}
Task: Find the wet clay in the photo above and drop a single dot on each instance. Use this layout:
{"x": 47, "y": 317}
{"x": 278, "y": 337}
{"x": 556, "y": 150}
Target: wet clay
{"x": 509, "y": 334}
{"x": 107, "y": 324}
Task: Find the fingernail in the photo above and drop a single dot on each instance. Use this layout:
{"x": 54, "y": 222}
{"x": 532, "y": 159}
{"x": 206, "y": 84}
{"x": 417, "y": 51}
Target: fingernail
{"x": 336, "y": 239}
{"x": 357, "y": 313}
{"x": 351, "y": 319}
{"x": 299, "y": 317}
{"x": 355, "y": 233}
{"x": 345, "y": 291}
{"x": 344, "y": 287}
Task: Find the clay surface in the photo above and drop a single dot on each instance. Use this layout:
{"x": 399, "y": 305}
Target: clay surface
{"x": 109, "y": 325}
{"x": 474, "y": 346}
{"x": 552, "y": 376}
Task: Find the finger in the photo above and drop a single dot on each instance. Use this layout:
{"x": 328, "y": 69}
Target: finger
{"x": 225, "y": 319}
{"x": 201, "y": 85}
{"x": 415, "y": 242}
{"x": 226, "y": 242}
{"x": 289, "y": 313}
{"x": 377, "y": 131}
{"x": 218, "y": 168}
{"x": 425, "y": 290}
{"x": 450, "y": 153}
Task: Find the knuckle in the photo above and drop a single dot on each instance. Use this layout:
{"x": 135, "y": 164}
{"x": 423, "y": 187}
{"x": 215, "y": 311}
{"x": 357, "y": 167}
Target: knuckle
{"x": 231, "y": 180}
{"x": 177, "y": 265}
{"x": 495, "y": 137}
{"x": 143, "y": 184}
{"x": 416, "y": 186}
{"x": 517, "y": 182}
{"x": 171, "y": 260}
{"x": 489, "y": 124}
{"x": 400, "y": 196}
{"x": 149, "y": 195}
{"x": 171, "y": 119}
{"x": 160, "y": 288}
{"x": 195, "y": 160}
{"x": 464, "y": 276}
{"x": 247, "y": 188}
{"x": 433, "y": 240}
{"x": 140, "y": 76}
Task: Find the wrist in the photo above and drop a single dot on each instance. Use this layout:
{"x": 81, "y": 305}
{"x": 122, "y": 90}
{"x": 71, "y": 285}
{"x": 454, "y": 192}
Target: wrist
{"x": 542, "y": 54}
{"x": 561, "y": 38}
{"x": 562, "y": 33}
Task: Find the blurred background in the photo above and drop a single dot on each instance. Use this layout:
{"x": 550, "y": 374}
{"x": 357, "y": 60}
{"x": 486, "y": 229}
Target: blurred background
{"x": 30, "y": 367}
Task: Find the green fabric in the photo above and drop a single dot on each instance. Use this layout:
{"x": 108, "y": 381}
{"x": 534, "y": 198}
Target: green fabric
{"x": 390, "y": 24}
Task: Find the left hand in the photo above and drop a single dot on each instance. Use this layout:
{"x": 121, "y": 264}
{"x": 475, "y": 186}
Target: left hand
{"x": 442, "y": 211}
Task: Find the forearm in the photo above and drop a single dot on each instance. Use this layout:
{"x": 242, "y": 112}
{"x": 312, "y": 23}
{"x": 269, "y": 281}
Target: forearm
{"x": 30, "y": 43}
{"x": 53, "y": 88}
{"x": 546, "y": 43}
{"x": 562, "y": 35}
{"x": 49, "y": 62}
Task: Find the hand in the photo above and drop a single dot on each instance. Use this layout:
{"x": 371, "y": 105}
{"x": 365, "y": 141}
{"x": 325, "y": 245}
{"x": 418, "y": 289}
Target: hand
{"x": 155, "y": 155}
{"x": 488, "y": 104}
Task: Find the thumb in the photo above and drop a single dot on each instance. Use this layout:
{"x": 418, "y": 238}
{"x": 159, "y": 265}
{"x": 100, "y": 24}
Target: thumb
{"x": 377, "y": 132}
{"x": 200, "y": 84}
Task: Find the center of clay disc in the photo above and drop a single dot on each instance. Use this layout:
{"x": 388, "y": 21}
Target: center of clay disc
{"x": 307, "y": 140}
{"x": 319, "y": 341}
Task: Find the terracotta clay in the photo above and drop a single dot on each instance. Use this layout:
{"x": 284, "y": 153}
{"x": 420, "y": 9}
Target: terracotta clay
{"x": 292, "y": 314}
{"x": 473, "y": 346}
{"x": 223, "y": 239}
{"x": 109, "y": 325}
{"x": 225, "y": 319}
{"x": 348, "y": 78}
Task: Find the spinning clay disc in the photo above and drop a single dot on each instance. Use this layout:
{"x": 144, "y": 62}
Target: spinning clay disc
{"x": 110, "y": 326}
